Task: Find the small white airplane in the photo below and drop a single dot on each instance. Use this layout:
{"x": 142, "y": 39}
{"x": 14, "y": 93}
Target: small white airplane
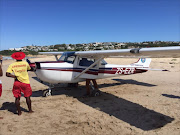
{"x": 74, "y": 67}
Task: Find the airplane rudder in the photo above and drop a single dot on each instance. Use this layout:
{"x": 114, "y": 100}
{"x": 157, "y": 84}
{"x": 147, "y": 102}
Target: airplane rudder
{"x": 146, "y": 61}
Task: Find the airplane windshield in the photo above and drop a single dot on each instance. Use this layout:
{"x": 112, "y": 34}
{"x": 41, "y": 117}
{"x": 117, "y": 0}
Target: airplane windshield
{"x": 68, "y": 57}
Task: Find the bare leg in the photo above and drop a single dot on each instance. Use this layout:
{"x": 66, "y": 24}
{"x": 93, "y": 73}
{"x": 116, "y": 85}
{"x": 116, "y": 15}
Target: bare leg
{"x": 28, "y": 102}
{"x": 95, "y": 83}
{"x": 87, "y": 86}
{"x": 17, "y": 103}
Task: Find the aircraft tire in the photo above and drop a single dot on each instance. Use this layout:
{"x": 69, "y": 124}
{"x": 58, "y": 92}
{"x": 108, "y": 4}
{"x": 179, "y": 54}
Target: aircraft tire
{"x": 46, "y": 93}
{"x": 96, "y": 93}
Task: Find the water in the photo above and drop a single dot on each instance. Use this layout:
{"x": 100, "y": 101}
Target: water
{"x": 7, "y": 58}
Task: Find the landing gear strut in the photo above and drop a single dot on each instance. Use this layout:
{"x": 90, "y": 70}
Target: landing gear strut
{"x": 95, "y": 92}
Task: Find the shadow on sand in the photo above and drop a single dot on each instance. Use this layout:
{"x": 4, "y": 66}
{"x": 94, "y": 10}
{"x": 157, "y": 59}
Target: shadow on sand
{"x": 127, "y": 111}
{"x": 130, "y": 81}
{"x": 10, "y": 106}
{"x": 171, "y": 96}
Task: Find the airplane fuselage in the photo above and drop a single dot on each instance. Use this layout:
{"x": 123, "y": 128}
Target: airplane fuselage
{"x": 64, "y": 72}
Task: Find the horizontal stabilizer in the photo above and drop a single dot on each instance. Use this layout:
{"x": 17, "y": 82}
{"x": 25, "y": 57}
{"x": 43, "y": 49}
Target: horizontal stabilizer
{"x": 152, "y": 69}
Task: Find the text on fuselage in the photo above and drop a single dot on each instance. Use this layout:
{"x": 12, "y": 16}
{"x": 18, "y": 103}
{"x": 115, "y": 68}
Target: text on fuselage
{"x": 125, "y": 71}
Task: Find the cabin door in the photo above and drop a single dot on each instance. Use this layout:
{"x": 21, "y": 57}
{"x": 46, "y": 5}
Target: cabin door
{"x": 83, "y": 64}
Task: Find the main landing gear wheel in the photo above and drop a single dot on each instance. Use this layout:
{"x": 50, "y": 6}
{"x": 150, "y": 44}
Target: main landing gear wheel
{"x": 47, "y": 93}
{"x": 96, "y": 93}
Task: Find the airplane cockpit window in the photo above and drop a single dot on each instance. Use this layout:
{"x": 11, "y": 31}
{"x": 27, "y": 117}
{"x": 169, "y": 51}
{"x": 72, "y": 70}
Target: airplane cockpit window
{"x": 68, "y": 57}
{"x": 89, "y": 61}
{"x": 103, "y": 62}
{"x": 86, "y": 62}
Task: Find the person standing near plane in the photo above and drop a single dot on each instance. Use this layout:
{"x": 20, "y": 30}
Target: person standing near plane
{"x": 1, "y": 59}
{"x": 88, "y": 86}
{"x": 21, "y": 80}
{"x": 1, "y": 74}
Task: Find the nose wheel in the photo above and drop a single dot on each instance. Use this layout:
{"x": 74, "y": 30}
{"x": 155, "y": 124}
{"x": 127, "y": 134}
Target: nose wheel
{"x": 47, "y": 93}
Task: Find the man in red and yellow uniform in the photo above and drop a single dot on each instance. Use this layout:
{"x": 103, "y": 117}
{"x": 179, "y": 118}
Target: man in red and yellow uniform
{"x": 21, "y": 80}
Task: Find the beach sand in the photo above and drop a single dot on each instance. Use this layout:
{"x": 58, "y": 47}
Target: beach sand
{"x": 147, "y": 103}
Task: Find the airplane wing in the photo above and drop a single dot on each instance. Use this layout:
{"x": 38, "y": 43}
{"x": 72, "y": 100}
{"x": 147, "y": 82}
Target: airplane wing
{"x": 51, "y": 53}
{"x": 163, "y": 52}
{"x": 173, "y": 51}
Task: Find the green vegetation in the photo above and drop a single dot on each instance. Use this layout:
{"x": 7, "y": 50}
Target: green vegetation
{"x": 6, "y": 52}
{"x": 151, "y": 44}
{"x": 174, "y": 60}
{"x": 9, "y": 52}
{"x": 31, "y": 53}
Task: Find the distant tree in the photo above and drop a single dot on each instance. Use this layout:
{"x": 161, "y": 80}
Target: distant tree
{"x": 32, "y": 53}
{"x": 7, "y": 52}
{"x": 56, "y": 46}
{"x": 124, "y": 47}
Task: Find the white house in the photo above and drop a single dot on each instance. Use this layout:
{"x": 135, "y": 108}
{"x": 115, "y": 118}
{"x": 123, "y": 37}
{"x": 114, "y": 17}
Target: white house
{"x": 16, "y": 49}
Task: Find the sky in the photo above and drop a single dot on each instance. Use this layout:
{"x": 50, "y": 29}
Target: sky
{"x": 50, "y": 22}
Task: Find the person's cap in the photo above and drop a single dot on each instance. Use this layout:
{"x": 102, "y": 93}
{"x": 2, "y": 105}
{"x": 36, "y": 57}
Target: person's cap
{"x": 18, "y": 55}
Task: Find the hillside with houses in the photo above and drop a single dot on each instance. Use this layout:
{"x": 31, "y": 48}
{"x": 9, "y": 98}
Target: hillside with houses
{"x": 34, "y": 49}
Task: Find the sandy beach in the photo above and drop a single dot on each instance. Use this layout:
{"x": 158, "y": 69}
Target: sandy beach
{"x": 147, "y": 103}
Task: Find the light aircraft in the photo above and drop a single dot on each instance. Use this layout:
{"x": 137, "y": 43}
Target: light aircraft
{"x": 74, "y": 67}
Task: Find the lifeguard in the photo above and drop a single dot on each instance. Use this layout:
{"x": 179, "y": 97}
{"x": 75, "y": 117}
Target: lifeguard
{"x": 21, "y": 80}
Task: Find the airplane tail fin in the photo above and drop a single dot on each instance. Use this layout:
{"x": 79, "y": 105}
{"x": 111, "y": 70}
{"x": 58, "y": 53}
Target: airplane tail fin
{"x": 144, "y": 62}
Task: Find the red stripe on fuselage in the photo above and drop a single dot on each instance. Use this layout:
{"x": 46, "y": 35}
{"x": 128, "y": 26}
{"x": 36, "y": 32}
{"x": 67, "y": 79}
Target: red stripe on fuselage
{"x": 75, "y": 70}
{"x": 123, "y": 71}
